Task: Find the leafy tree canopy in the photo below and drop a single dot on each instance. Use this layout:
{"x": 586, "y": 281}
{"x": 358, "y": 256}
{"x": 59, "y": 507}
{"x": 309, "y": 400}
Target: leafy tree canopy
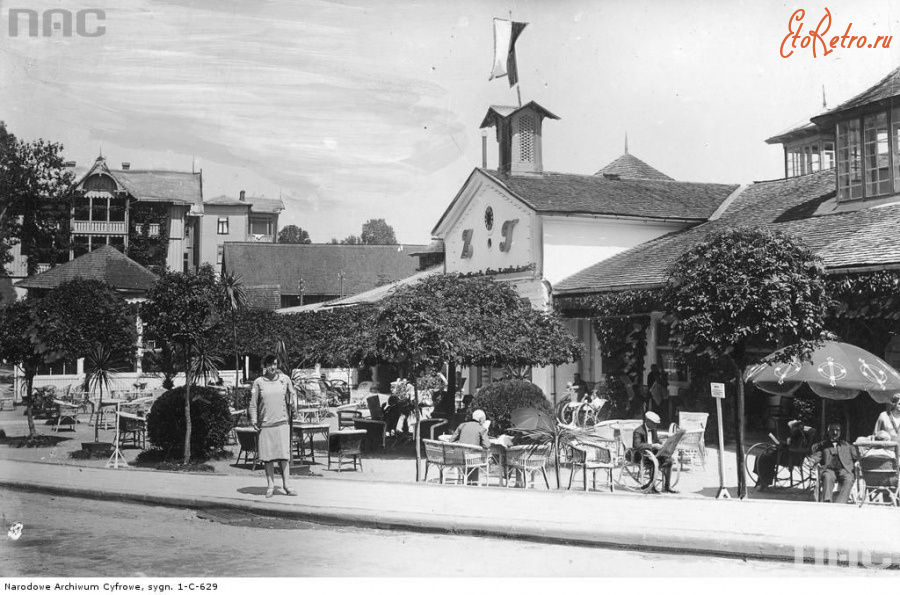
{"x": 34, "y": 187}
{"x": 182, "y": 307}
{"x": 747, "y": 285}
{"x": 75, "y": 317}
{"x": 293, "y": 235}
{"x": 377, "y": 231}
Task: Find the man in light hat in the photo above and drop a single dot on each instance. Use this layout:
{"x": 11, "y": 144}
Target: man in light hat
{"x": 645, "y": 438}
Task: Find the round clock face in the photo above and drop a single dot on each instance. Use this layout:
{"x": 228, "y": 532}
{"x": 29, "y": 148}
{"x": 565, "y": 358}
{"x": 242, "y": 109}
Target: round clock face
{"x": 489, "y": 218}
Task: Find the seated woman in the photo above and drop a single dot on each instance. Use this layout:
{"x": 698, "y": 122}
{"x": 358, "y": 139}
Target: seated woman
{"x": 889, "y": 420}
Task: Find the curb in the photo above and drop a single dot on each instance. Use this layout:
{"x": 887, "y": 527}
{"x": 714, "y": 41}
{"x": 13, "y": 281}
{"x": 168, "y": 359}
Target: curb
{"x": 684, "y": 542}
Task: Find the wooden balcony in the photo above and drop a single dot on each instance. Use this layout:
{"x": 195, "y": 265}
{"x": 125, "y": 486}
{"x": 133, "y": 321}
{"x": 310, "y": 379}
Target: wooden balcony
{"x": 105, "y": 227}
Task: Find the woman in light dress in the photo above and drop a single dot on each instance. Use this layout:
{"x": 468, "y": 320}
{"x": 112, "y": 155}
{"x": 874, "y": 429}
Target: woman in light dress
{"x": 889, "y": 420}
{"x": 272, "y": 402}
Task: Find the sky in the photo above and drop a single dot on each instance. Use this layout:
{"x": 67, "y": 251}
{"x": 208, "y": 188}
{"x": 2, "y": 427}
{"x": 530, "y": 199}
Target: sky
{"x": 351, "y": 110}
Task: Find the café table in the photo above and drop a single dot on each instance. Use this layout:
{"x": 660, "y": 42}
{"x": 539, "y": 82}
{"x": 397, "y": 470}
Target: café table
{"x": 310, "y": 430}
{"x": 100, "y": 414}
{"x": 68, "y": 410}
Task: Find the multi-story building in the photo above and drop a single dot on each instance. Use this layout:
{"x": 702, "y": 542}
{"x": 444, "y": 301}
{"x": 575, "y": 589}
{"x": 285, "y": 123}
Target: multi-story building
{"x": 228, "y": 219}
{"x": 158, "y": 218}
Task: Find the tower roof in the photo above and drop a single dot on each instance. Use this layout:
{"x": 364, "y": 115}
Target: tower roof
{"x": 629, "y": 167}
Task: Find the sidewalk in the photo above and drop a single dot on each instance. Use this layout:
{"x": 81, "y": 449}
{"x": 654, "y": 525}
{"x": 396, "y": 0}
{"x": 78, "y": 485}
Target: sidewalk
{"x": 758, "y": 529}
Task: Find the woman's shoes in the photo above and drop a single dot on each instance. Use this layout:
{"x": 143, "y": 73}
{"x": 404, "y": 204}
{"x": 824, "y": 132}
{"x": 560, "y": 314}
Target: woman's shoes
{"x": 290, "y": 492}
{"x": 270, "y": 492}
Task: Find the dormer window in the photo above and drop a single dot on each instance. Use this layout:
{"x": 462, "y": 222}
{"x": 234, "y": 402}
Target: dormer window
{"x": 808, "y": 156}
{"x": 869, "y": 156}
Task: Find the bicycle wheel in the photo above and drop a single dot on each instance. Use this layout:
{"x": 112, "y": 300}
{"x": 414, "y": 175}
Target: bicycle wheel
{"x": 648, "y": 472}
{"x": 675, "y": 474}
{"x": 564, "y": 413}
{"x": 753, "y": 453}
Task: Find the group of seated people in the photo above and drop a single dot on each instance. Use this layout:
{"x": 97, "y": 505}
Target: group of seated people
{"x": 835, "y": 457}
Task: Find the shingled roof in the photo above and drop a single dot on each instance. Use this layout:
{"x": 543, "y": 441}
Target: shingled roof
{"x": 597, "y": 195}
{"x": 845, "y": 241}
{"x": 162, "y": 186}
{"x": 885, "y": 89}
{"x": 629, "y": 167}
{"x": 364, "y": 266}
{"x": 105, "y": 264}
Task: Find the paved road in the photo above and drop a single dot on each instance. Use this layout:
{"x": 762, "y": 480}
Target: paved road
{"x": 78, "y": 538}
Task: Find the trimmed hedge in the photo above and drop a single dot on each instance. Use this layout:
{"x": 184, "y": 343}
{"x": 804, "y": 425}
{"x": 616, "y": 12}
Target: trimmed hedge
{"x": 499, "y": 399}
{"x": 210, "y": 422}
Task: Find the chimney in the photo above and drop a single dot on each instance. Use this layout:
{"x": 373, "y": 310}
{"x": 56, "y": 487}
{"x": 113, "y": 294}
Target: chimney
{"x": 243, "y": 196}
{"x": 126, "y": 165}
{"x": 519, "y": 131}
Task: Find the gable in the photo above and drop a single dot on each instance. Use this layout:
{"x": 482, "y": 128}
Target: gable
{"x": 486, "y": 228}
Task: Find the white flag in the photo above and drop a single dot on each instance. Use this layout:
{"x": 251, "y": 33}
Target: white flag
{"x": 505, "y": 35}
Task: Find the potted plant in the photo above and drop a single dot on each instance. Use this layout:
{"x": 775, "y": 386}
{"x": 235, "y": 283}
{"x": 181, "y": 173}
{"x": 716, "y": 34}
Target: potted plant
{"x": 99, "y": 367}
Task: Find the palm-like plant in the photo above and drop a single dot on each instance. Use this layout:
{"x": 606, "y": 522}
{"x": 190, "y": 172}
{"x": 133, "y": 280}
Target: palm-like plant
{"x": 205, "y": 365}
{"x": 557, "y": 435}
{"x": 99, "y": 372}
{"x": 233, "y": 299}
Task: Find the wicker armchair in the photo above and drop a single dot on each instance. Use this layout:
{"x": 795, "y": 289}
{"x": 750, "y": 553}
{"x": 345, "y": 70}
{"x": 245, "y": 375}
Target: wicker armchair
{"x": 453, "y": 455}
{"x": 593, "y": 456}
{"x": 248, "y": 438}
{"x": 527, "y": 460}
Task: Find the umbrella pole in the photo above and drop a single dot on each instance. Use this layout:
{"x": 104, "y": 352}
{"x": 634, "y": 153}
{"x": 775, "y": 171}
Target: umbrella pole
{"x": 822, "y": 421}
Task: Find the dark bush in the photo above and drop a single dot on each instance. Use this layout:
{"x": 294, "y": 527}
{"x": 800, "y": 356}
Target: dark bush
{"x": 210, "y": 422}
{"x": 499, "y": 399}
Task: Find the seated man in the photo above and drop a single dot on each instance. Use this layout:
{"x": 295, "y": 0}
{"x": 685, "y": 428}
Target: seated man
{"x": 788, "y": 454}
{"x": 837, "y": 458}
{"x": 645, "y": 438}
{"x": 473, "y": 431}
{"x": 579, "y": 386}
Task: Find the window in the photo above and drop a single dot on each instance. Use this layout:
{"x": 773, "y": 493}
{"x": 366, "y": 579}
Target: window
{"x": 222, "y": 227}
{"x": 154, "y": 230}
{"x": 262, "y": 227}
{"x": 878, "y": 157}
{"x": 828, "y": 155}
{"x": 220, "y": 249}
{"x": 82, "y": 208}
{"x": 81, "y": 245}
{"x": 849, "y": 160}
{"x": 99, "y": 209}
{"x": 117, "y": 208}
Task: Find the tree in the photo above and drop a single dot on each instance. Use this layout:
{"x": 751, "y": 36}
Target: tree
{"x": 377, "y": 231}
{"x": 16, "y": 348}
{"x": 233, "y": 299}
{"x": 76, "y": 316}
{"x": 293, "y": 235}
{"x": 460, "y": 320}
{"x": 741, "y": 287}
{"x": 99, "y": 371}
{"x": 34, "y": 189}
{"x": 352, "y": 240}
{"x": 182, "y": 309}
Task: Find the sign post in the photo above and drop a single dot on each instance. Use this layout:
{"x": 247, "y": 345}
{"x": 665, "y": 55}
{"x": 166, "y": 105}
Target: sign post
{"x": 718, "y": 393}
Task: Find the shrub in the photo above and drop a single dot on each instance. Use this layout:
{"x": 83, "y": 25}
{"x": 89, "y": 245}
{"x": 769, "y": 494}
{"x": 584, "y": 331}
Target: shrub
{"x": 210, "y": 422}
{"x": 499, "y": 399}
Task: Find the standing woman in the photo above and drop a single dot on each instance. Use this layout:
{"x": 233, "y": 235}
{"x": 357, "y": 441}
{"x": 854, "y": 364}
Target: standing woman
{"x": 272, "y": 401}
{"x": 889, "y": 421}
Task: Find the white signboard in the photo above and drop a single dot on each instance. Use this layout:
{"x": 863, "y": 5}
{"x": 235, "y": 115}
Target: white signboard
{"x": 718, "y": 390}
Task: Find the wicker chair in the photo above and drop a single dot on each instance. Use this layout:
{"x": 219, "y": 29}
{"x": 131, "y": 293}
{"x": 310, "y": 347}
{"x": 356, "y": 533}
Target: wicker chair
{"x": 346, "y": 444}
{"x": 345, "y": 418}
{"x": 526, "y": 461}
{"x": 692, "y": 449}
{"x": 593, "y": 456}
{"x": 880, "y": 470}
{"x": 248, "y": 439}
{"x": 453, "y": 455}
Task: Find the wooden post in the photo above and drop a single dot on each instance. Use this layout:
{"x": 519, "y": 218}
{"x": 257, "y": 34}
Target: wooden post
{"x": 718, "y": 393}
